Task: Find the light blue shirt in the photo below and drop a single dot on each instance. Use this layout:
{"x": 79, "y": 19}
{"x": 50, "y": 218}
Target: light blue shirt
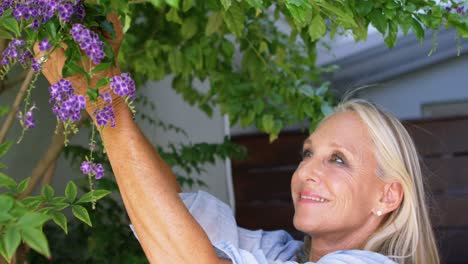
{"x": 244, "y": 246}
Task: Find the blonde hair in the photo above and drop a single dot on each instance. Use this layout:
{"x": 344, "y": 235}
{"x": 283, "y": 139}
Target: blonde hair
{"x": 406, "y": 235}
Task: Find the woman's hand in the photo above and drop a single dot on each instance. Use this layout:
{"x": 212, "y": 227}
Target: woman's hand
{"x": 53, "y": 66}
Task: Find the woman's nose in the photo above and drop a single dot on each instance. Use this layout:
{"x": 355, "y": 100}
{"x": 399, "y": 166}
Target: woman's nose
{"x": 311, "y": 170}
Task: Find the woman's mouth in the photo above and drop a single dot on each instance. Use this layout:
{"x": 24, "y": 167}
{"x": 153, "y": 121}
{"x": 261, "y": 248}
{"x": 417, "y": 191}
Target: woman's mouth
{"x": 311, "y": 198}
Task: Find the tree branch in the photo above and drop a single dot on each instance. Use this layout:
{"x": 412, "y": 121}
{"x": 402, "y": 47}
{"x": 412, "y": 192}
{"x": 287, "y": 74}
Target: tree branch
{"x": 51, "y": 155}
{"x": 45, "y": 167}
{"x": 19, "y": 97}
{"x": 49, "y": 174}
{"x": 7, "y": 84}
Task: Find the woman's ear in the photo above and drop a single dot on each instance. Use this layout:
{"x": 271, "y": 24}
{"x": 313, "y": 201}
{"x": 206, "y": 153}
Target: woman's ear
{"x": 391, "y": 197}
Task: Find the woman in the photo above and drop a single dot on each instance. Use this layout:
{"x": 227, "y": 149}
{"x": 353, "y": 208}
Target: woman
{"x": 358, "y": 195}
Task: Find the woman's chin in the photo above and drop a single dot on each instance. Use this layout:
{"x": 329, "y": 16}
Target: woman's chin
{"x": 305, "y": 224}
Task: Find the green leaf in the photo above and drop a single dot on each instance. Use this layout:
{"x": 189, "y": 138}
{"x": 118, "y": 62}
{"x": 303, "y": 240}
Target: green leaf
{"x": 156, "y": 3}
{"x": 11, "y": 24}
{"x": 247, "y": 119}
{"x": 102, "y": 67}
{"x": 173, "y": 16}
{"x": 173, "y": 3}
{"x": 6, "y": 202}
{"x": 417, "y": 29}
{"x": 226, "y": 4}
{"x": 215, "y": 21}
{"x": 187, "y": 4}
{"x": 36, "y": 239}
{"x": 107, "y": 27}
{"x": 33, "y": 202}
{"x": 51, "y": 29}
{"x": 5, "y": 216}
{"x": 4, "y": 110}
{"x": 301, "y": 11}
{"x": 255, "y": 3}
{"x": 4, "y": 147}
{"x": 47, "y": 192}
{"x": 61, "y": 220}
{"x": 268, "y": 123}
{"x": 189, "y": 28}
{"x": 379, "y": 21}
{"x": 23, "y": 185}
{"x": 71, "y": 191}
{"x": 5, "y": 34}
{"x": 3, "y": 166}
{"x": 11, "y": 241}
{"x": 391, "y": 38}
{"x": 234, "y": 19}
{"x": 175, "y": 59}
{"x": 81, "y": 213}
{"x": 227, "y": 48}
{"x": 93, "y": 195}
{"x": 71, "y": 68}
{"x": 317, "y": 28}
{"x": 363, "y": 7}
{"x": 102, "y": 82}
{"x": 6, "y": 181}
{"x": 343, "y": 15}
{"x": 93, "y": 94}
{"x": 32, "y": 220}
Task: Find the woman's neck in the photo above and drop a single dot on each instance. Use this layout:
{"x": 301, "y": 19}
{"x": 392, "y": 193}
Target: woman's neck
{"x": 323, "y": 244}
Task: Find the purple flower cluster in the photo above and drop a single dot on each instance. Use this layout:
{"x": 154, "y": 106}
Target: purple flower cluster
{"x": 41, "y": 11}
{"x": 459, "y": 10}
{"x": 67, "y": 105}
{"x": 27, "y": 121}
{"x": 90, "y": 168}
{"x": 105, "y": 115}
{"x": 89, "y": 42}
{"x": 123, "y": 85}
{"x": 18, "y": 52}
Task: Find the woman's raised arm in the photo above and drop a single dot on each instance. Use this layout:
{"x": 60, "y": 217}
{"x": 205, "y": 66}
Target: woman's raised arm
{"x": 166, "y": 230}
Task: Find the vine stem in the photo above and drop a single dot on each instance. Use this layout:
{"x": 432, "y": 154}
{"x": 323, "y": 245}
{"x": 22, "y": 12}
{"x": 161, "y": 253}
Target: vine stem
{"x": 19, "y": 97}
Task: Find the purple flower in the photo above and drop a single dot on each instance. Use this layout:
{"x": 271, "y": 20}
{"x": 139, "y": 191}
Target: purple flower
{"x": 41, "y": 11}
{"x": 16, "y": 51}
{"x": 123, "y": 85}
{"x": 67, "y": 105}
{"x": 105, "y": 115}
{"x": 36, "y": 66}
{"x": 86, "y": 167}
{"x": 65, "y": 11}
{"x": 44, "y": 45}
{"x": 27, "y": 121}
{"x": 106, "y": 97}
{"x": 89, "y": 42}
{"x": 98, "y": 170}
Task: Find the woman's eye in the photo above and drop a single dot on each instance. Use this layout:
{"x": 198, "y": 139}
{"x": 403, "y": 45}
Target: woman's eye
{"x": 306, "y": 153}
{"x": 337, "y": 159}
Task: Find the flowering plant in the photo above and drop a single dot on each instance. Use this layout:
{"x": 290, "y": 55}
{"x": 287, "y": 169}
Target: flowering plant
{"x": 50, "y": 24}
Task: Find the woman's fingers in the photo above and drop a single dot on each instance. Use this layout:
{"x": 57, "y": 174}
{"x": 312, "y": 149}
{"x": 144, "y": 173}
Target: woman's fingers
{"x": 53, "y": 63}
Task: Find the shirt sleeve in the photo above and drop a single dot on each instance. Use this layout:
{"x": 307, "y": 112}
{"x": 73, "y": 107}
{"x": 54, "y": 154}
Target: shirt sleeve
{"x": 238, "y": 244}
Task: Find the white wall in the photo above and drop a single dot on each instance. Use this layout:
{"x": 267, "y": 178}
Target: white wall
{"x": 404, "y": 95}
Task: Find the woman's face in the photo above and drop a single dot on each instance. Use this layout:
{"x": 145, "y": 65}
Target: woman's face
{"x": 335, "y": 188}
